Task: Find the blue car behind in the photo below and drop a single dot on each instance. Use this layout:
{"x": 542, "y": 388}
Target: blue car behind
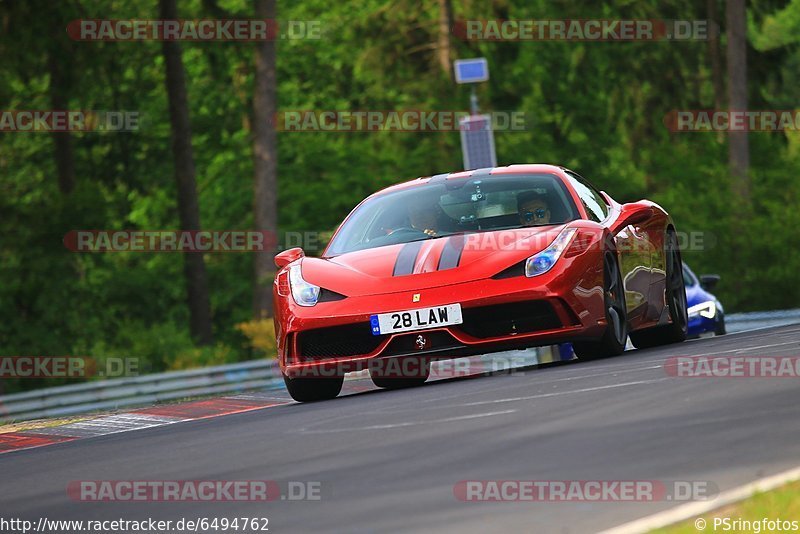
{"x": 705, "y": 311}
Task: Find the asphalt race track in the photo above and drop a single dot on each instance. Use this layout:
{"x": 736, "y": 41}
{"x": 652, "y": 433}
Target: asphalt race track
{"x": 389, "y": 460}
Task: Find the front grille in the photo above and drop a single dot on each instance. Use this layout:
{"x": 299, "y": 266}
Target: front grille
{"x": 434, "y": 341}
{"x": 346, "y": 340}
{"x": 508, "y": 319}
{"x": 483, "y": 322}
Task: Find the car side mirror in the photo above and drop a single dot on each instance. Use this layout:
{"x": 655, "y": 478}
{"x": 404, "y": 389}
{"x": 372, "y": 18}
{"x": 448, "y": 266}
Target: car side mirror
{"x": 288, "y": 256}
{"x": 709, "y": 281}
{"x": 632, "y": 213}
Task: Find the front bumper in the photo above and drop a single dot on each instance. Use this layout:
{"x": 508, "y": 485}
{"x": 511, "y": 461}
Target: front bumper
{"x": 700, "y": 323}
{"x": 499, "y": 314}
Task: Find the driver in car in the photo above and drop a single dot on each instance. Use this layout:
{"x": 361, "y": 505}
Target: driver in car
{"x": 533, "y": 209}
{"x": 423, "y": 218}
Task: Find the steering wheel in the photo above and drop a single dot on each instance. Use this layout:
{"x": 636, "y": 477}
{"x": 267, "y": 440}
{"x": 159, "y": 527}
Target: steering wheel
{"x": 405, "y": 229}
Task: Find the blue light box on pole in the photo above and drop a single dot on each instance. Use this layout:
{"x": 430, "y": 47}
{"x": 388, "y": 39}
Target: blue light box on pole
{"x": 471, "y": 70}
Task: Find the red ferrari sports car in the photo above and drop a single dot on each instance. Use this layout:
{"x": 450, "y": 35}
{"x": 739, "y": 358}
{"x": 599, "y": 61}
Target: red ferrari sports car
{"x": 475, "y": 262}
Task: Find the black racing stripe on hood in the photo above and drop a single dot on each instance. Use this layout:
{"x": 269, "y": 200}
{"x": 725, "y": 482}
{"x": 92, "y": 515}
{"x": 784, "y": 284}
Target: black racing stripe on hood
{"x": 407, "y": 258}
{"x": 451, "y": 253}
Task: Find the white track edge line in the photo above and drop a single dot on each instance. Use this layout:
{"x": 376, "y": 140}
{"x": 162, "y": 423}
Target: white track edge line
{"x": 689, "y": 510}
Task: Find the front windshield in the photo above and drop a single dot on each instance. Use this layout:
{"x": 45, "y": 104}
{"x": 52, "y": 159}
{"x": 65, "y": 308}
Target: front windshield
{"x": 455, "y": 206}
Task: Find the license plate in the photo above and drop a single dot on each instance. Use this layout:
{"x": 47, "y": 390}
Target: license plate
{"x": 420, "y": 319}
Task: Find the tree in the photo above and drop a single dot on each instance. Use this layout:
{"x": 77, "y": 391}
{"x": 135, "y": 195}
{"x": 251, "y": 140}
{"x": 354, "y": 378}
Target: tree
{"x": 738, "y": 147}
{"x": 594, "y": 107}
{"x": 59, "y": 66}
{"x": 443, "y": 52}
{"x": 265, "y": 164}
{"x": 188, "y": 209}
{"x": 714, "y": 53}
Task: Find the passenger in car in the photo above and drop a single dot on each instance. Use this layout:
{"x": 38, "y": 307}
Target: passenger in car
{"x": 533, "y": 209}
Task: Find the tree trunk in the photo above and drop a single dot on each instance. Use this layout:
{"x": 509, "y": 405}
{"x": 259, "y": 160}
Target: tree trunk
{"x": 62, "y": 141}
{"x": 738, "y": 147}
{"x": 714, "y": 53}
{"x": 194, "y": 267}
{"x": 265, "y": 164}
{"x": 445, "y": 25}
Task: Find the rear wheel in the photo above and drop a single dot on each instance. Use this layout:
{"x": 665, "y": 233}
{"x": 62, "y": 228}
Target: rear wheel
{"x": 616, "y": 335}
{"x": 389, "y": 376}
{"x": 676, "y": 331}
{"x": 310, "y": 389}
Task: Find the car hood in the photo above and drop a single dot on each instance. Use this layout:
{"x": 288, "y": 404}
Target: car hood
{"x": 427, "y": 263}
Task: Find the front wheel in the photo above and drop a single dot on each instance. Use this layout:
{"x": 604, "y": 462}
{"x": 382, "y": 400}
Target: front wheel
{"x": 719, "y": 329}
{"x": 310, "y": 389}
{"x": 616, "y": 335}
{"x": 677, "y": 330}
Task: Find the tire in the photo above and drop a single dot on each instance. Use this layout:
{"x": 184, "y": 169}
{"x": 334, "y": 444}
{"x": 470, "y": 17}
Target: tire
{"x": 393, "y": 381}
{"x": 720, "y": 329}
{"x": 313, "y": 389}
{"x": 677, "y": 330}
{"x": 616, "y": 334}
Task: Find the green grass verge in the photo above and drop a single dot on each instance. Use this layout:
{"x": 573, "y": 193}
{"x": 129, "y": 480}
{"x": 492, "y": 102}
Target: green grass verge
{"x": 779, "y": 504}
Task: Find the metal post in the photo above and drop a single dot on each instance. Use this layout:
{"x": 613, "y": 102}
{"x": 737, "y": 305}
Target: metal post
{"x": 473, "y": 101}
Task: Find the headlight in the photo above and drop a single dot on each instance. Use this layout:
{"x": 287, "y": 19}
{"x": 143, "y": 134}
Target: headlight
{"x": 543, "y": 261}
{"x": 304, "y": 294}
{"x": 705, "y": 309}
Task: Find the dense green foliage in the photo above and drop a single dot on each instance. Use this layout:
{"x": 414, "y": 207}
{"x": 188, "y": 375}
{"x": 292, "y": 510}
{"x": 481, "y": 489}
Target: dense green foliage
{"x": 597, "y": 107}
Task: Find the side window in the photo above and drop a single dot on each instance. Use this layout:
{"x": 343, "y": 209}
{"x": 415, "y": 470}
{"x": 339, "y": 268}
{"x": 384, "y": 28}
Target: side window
{"x": 592, "y": 200}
